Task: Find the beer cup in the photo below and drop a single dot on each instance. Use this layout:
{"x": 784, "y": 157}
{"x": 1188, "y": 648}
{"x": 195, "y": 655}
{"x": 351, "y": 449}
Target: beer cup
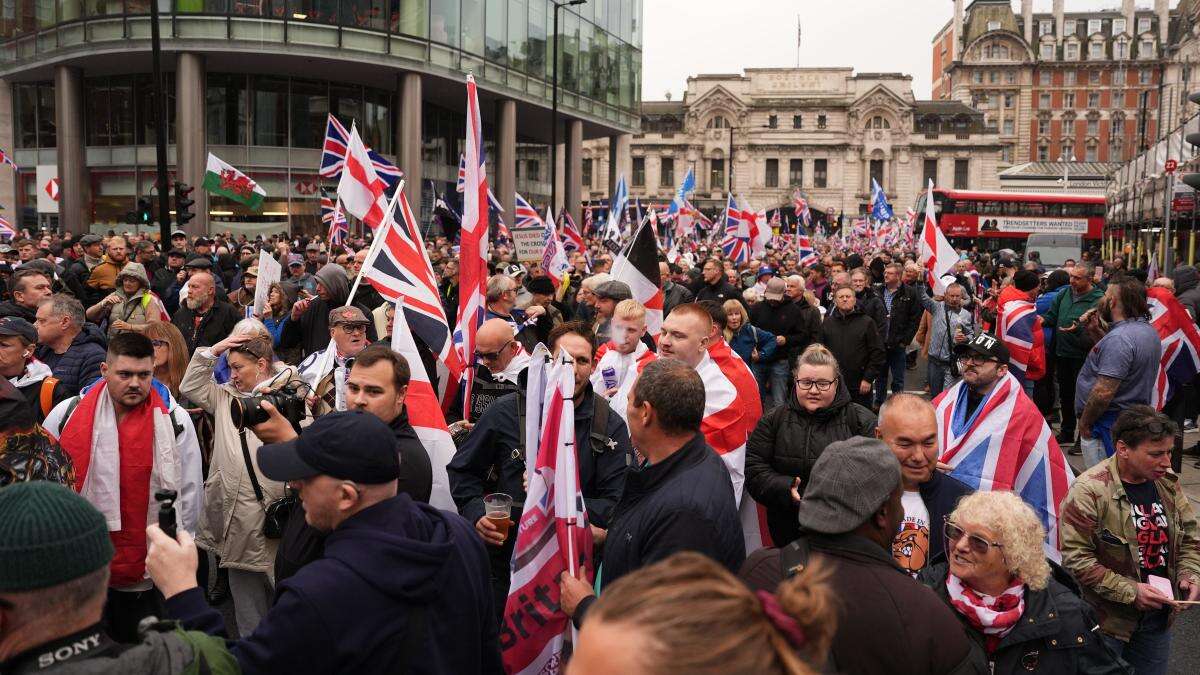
{"x": 497, "y": 508}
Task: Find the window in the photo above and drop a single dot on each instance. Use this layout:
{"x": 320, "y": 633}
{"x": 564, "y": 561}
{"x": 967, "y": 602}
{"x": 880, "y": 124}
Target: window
{"x": 876, "y": 170}
{"x": 1118, "y": 77}
{"x": 1045, "y": 28}
{"x": 718, "y": 122}
{"x": 225, "y": 109}
{"x": 1147, "y": 49}
{"x": 1068, "y": 27}
{"x": 796, "y": 172}
{"x": 1008, "y": 127}
{"x": 822, "y": 121}
{"x": 1069, "y": 99}
{"x": 1091, "y": 154}
{"x": 270, "y": 112}
{"x": 1114, "y": 151}
{"x": 820, "y": 173}
{"x": 1093, "y": 26}
{"x": 1044, "y": 101}
{"x": 773, "y": 122}
{"x": 929, "y": 171}
{"x": 961, "y": 169}
{"x": 1093, "y": 99}
{"x": 586, "y": 172}
{"x": 34, "y": 115}
{"x": 992, "y": 77}
{"x": 1047, "y": 50}
{"x": 878, "y": 122}
{"x": 495, "y": 44}
{"x": 1121, "y": 50}
{"x": 1010, "y": 77}
{"x": 1096, "y": 51}
{"x": 978, "y": 76}
{"x": 1143, "y": 25}
{"x": 1094, "y": 77}
{"x": 1044, "y": 78}
{"x": 1145, "y": 76}
{"x": 716, "y": 174}
{"x": 1044, "y": 126}
{"x": 1072, "y": 52}
{"x": 797, "y": 121}
{"x": 1118, "y": 126}
{"x": 666, "y": 171}
{"x": 1043, "y": 153}
{"x": 639, "y": 171}
{"x": 533, "y": 170}
{"x": 1118, "y": 26}
{"x": 772, "y": 177}
{"x": 1093, "y": 128}
{"x": 993, "y": 25}
{"x": 444, "y": 24}
{"x": 1008, "y": 100}
{"x": 1006, "y": 154}
{"x": 1069, "y": 78}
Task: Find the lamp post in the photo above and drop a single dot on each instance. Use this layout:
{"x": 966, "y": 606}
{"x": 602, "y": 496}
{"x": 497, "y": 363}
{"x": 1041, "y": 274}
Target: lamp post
{"x": 554, "y": 107}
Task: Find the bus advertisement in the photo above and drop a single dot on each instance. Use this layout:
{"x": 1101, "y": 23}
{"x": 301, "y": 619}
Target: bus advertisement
{"x": 997, "y": 220}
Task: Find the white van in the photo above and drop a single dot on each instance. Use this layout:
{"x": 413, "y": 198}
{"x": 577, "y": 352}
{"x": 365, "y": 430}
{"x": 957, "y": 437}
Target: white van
{"x": 1055, "y": 249}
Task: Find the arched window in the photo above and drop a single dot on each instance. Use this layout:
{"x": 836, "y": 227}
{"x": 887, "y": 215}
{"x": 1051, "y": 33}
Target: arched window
{"x": 879, "y": 122}
{"x": 718, "y": 122}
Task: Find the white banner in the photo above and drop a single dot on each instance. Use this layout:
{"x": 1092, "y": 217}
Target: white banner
{"x": 527, "y": 243}
{"x": 269, "y": 272}
{"x": 1035, "y": 225}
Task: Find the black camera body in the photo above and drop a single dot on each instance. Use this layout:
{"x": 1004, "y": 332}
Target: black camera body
{"x": 247, "y": 411}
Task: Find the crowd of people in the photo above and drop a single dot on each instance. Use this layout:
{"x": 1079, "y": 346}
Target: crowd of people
{"x": 191, "y": 483}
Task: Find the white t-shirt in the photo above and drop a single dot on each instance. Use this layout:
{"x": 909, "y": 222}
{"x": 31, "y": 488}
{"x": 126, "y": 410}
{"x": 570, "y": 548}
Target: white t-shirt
{"x": 910, "y": 547}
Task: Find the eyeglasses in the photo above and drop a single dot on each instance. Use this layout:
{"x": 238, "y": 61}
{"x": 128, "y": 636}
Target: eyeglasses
{"x": 492, "y": 356}
{"x": 977, "y": 359}
{"x": 820, "y": 385}
{"x": 354, "y": 327}
{"x": 978, "y": 544}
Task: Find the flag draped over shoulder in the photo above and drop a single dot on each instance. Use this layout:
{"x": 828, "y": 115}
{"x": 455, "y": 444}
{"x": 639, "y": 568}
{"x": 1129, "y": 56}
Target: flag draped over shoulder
{"x": 1005, "y": 444}
{"x": 554, "y": 536}
{"x": 221, "y": 178}
{"x": 1020, "y": 329}
{"x": 1180, "y": 359}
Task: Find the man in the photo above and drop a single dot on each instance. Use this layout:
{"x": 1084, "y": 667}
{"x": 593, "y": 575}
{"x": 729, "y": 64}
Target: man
{"x": 852, "y": 509}
{"x": 854, "y": 340}
{"x": 794, "y": 326}
{"x": 1131, "y": 541}
{"x": 312, "y": 258}
{"x": 1070, "y": 349}
{"x": 297, "y": 281}
{"x": 607, "y": 295}
{"x": 79, "y": 271}
{"x": 680, "y": 499}
{"x": 495, "y": 452}
{"x": 179, "y": 240}
{"x": 901, "y": 318}
{"x": 309, "y": 326}
{"x": 54, "y": 569}
{"x": 502, "y": 291}
{"x": 324, "y": 371}
{"x": 1119, "y": 371}
{"x": 128, "y": 438}
{"x": 400, "y": 583}
{"x": 950, "y": 325}
{"x": 500, "y": 369}
{"x": 1187, "y": 289}
{"x": 243, "y": 298}
{"x": 908, "y": 424}
{"x": 203, "y": 249}
{"x": 168, "y": 276}
{"x": 203, "y": 321}
{"x": 448, "y": 288}
{"x": 42, "y": 391}
{"x": 103, "y": 279}
{"x": 585, "y": 307}
{"x": 542, "y": 292}
{"x": 674, "y": 294}
{"x": 819, "y": 285}
{"x": 865, "y": 296}
{"x": 28, "y": 287}
{"x": 73, "y": 348}
{"x": 148, "y": 257}
{"x": 714, "y": 285}
{"x": 626, "y": 353}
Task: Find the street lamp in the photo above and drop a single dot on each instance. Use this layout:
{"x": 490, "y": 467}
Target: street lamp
{"x": 554, "y": 107}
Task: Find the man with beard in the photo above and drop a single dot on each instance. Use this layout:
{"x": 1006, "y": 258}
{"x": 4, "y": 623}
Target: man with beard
{"x": 1120, "y": 369}
{"x": 103, "y": 279}
{"x": 326, "y": 370}
{"x": 203, "y": 321}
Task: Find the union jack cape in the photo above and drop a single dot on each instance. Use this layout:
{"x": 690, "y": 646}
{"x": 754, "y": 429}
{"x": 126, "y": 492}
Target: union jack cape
{"x": 1020, "y": 329}
{"x": 1180, "y": 359}
{"x": 333, "y": 155}
{"x": 1005, "y": 444}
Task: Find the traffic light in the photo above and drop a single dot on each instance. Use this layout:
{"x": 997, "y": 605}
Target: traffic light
{"x": 1192, "y": 180}
{"x": 183, "y": 203}
{"x": 144, "y": 214}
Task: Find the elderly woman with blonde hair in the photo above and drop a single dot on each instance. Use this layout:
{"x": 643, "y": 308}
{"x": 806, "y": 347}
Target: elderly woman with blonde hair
{"x": 1001, "y": 587}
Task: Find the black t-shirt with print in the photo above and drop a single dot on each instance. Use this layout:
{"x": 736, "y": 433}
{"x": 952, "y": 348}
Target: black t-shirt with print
{"x": 1150, "y": 524}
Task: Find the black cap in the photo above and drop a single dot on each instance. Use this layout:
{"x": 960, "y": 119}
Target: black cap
{"x": 201, "y": 262}
{"x": 11, "y": 325}
{"x": 351, "y": 445}
{"x": 177, "y": 253}
{"x": 986, "y": 345}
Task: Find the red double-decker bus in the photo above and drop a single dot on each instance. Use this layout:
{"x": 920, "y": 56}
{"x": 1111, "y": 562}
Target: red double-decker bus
{"x": 996, "y": 220}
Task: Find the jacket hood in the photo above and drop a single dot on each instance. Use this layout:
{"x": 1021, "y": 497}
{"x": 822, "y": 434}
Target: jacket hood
{"x": 333, "y": 277}
{"x": 1186, "y": 278}
{"x": 135, "y": 270}
{"x": 398, "y": 547}
{"x": 90, "y": 333}
{"x": 840, "y": 400}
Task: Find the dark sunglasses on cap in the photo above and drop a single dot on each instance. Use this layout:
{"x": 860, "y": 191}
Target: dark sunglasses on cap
{"x": 978, "y": 544}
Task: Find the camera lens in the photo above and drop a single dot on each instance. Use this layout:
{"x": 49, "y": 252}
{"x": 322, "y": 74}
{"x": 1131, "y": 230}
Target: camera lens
{"x": 237, "y": 413}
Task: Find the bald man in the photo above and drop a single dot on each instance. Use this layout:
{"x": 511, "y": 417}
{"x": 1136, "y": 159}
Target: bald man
{"x": 500, "y": 367}
{"x": 203, "y": 321}
{"x": 908, "y": 425}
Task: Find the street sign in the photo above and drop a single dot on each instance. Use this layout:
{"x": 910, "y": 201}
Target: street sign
{"x": 527, "y": 242}
{"x": 1171, "y": 165}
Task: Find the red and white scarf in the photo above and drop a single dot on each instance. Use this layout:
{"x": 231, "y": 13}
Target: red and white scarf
{"x": 994, "y": 616}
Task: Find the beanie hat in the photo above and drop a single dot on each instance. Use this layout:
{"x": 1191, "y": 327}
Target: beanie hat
{"x": 49, "y": 535}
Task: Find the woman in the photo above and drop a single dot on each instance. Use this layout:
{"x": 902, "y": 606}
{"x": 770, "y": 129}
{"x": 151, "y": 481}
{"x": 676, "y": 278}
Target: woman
{"x": 275, "y": 312}
{"x": 687, "y": 614}
{"x": 132, "y": 305}
{"x": 750, "y": 343}
{"x": 231, "y": 523}
{"x": 853, "y": 338}
{"x": 1000, "y": 587}
{"x": 788, "y": 440}
{"x": 170, "y": 354}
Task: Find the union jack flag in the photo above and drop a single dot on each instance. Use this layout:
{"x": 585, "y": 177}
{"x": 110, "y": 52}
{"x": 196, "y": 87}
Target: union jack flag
{"x": 473, "y": 242}
{"x": 571, "y": 239}
{"x": 502, "y": 233}
{"x": 526, "y": 215}
{"x": 334, "y": 220}
{"x": 1180, "y": 359}
{"x": 1020, "y": 329}
{"x": 804, "y": 248}
{"x": 462, "y": 177}
{"x": 6, "y": 158}
{"x": 736, "y": 243}
{"x": 6, "y": 228}
{"x": 333, "y": 155}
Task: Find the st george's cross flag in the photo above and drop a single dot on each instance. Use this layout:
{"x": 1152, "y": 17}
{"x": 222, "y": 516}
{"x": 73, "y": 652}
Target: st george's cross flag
{"x": 361, "y": 190}
{"x": 333, "y": 155}
{"x": 554, "y": 536}
{"x": 473, "y": 242}
{"x": 424, "y": 412}
{"x": 1180, "y": 360}
{"x": 637, "y": 266}
{"x": 1005, "y": 444}
{"x": 221, "y": 178}
{"x": 937, "y": 255}
{"x": 1020, "y": 329}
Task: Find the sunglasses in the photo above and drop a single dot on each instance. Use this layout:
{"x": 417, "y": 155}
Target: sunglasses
{"x": 978, "y": 544}
{"x": 492, "y": 356}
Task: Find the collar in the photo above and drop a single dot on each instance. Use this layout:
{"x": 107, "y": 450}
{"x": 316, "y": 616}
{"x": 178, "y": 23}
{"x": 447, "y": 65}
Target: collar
{"x": 35, "y": 371}
{"x": 87, "y": 643}
{"x": 650, "y": 477}
{"x": 854, "y": 546}
{"x": 514, "y": 368}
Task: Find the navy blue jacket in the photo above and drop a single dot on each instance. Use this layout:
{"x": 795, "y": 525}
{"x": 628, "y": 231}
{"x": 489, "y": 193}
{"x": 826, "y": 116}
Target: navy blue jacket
{"x": 79, "y": 366}
{"x": 349, "y": 611}
{"x": 940, "y": 494}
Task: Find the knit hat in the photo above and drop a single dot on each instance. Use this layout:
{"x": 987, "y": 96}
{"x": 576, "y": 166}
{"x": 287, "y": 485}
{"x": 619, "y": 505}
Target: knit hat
{"x": 849, "y": 482}
{"x": 48, "y": 536}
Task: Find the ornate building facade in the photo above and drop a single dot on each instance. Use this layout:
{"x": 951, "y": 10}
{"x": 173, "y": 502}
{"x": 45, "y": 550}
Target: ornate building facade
{"x": 826, "y": 131}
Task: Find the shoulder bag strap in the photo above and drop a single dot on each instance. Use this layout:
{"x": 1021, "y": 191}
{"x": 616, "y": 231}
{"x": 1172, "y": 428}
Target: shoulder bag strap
{"x": 258, "y": 494}
{"x": 46, "y": 397}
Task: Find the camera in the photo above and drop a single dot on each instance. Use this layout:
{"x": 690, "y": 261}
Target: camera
{"x": 247, "y": 411}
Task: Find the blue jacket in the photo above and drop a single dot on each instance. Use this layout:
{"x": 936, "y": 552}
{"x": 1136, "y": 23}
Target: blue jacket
{"x": 940, "y": 494}
{"x": 275, "y": 326}
{"x": 350, "y": 611}
{"x": 79, "y": 366}
{"x": 748, "y": 338}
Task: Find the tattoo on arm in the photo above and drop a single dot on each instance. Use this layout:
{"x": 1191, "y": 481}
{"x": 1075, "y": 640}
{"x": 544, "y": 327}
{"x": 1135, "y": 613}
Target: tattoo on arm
{"x": 1097, "y": 402}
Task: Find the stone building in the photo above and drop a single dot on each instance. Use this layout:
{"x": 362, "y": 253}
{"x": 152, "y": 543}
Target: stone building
{"x": 826, "y": 131}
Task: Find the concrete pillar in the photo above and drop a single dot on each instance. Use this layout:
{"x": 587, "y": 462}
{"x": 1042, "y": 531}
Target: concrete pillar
{"x": 573, "y": 175}
{"x": 1027, "y": 18}
{"x": 958, "y": 29}
{"x": 1058, "y": 21}
{"x": 1129, "y": 11}
{"x": 506, "y": 156}
{"x": 619, "y": 160}
{"x": 74, "y": 206}
{"x": 8, "y": 179}
{"x": 1163, "y": 10}
{"x": 191, "y": 149}
{"x": 408, "y": 138}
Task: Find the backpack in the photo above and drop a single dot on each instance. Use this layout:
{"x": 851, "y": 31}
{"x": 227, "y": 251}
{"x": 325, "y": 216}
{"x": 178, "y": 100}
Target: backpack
{"x": 46, "y": 395}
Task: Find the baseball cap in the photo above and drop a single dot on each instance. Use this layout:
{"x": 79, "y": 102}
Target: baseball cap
{"x": 295, "y": 259}
{"x": 775, "y": 289}
{"x": 177, "y": 253}
{"x": 515, "y": 270}
{"x": 985, "y": 345}
{"x": 613, "y": 290}
{"x": 14, "y": 326}
{"x": 312, "y": 247}
{"x": 251, "y": 271}
{"x": 765, "y": 269}
{"x": 178, "y": 233}
{"x": 349, "y": 445}
{"x": 849, "y": 482}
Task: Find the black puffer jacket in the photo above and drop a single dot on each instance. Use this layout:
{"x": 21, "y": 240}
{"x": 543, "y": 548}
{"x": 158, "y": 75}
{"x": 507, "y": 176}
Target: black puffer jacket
{"x": 1054, "y": 634}
{"x": 785, "y": 445}
{"x": 789, "y": 319}
{"x": 79, "y": 366}
{"x": 10, "y": 308}
{"x": 905, "y": 316}
{"x": 854, "y": 340}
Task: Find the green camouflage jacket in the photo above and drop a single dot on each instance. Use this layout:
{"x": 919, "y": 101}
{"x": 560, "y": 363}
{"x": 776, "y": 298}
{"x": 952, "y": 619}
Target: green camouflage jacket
{"x": 1099, "y": 543}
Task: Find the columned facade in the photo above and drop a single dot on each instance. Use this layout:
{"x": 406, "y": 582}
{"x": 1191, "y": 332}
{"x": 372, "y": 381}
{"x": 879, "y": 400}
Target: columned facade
{"x": 72, "y": 168}
{"x": 408, "y": 138}
{"x": 506, "y": 155}
{"x": 573, "y": 175}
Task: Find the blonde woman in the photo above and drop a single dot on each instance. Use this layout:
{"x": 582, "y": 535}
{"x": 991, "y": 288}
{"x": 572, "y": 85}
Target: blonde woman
{"x": 999, "y": 584}
{"x": 751, "y": 343}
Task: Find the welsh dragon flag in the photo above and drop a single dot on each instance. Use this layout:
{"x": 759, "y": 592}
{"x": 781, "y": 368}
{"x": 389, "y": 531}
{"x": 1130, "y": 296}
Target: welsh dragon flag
{"x": 222, "y": 179}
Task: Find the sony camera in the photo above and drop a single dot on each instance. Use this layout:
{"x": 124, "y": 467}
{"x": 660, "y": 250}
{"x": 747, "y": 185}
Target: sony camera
{"x": 247, "y": 411}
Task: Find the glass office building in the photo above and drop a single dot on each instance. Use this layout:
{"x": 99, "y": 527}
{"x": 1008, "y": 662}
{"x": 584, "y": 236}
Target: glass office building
{"x": 253, "y": 80}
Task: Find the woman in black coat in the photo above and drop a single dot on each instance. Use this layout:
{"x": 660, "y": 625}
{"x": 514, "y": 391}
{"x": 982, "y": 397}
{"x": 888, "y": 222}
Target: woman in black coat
{"x": 788, "y": 440}
{"x": 853, "y": 337}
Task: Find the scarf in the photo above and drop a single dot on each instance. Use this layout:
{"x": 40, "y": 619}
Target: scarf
{"x": 35, "y": 371}
{"x": 994, "y": 617}
{"x": 325, "y": 372}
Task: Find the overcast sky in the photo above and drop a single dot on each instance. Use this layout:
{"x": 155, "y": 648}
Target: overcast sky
{"x": 690, "y": 37}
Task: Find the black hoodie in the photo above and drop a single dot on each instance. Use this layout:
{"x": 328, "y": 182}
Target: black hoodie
{"x": 350, "y": 611}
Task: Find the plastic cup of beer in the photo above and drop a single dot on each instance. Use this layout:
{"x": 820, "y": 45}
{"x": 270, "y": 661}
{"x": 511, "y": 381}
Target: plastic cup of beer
{"x": 497, "y": 508}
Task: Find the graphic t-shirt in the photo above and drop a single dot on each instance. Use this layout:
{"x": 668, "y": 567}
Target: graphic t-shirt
{"x": 1150, "y": 524}
{"x": 910, "y": 547}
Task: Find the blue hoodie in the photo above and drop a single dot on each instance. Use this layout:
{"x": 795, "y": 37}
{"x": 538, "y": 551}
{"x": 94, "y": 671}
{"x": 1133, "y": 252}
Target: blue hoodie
{"x": 348, "y": 612}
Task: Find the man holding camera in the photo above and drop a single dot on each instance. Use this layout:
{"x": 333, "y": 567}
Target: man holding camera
{"x": 128, "y": 438}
